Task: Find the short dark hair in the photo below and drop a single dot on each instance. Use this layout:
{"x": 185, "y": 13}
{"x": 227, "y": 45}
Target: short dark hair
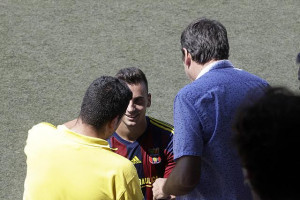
{"x": 205, "y": 40}
{"x": 106, "y": 98}
{"x": 298, "y": 58}
{"x": 267, "y": 141}
{"x": 298, "y": 62}
{"x": 132, "y": 75}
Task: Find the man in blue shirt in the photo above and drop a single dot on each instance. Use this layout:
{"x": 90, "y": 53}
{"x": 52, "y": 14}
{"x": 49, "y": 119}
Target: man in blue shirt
{"x": 207, "y": 165}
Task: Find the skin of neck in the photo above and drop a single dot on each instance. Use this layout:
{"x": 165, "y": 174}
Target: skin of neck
{"x": 88, "y": 130}
{"x": 132, "y": 133}
{"x": 196, "y": 68}
{"x": 192, "y": 68}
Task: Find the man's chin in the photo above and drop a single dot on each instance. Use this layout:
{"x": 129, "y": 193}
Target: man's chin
{"x": 130, "y": 121}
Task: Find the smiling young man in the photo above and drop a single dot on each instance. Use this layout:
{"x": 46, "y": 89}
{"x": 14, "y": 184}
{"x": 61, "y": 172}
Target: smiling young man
{"x": 145, "y": 141}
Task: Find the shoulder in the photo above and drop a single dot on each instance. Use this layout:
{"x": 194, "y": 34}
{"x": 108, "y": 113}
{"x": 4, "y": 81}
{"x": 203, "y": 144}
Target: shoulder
{"x": 249, "y": 75}
{"x": 235, "y": 75}
{"x": 194, "y": 90}
{"x": 122, "y": 164}
{"x": 41, "y": 135}
{"x": 161, "y": 125}
{"x": 44, "y": 127}
{"x": 193, "y": 94}
{"x": 189, "y": 88}
{"x": 116, "y": 158}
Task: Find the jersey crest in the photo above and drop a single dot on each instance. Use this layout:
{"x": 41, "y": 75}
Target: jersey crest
{"x": 154, "y": 157}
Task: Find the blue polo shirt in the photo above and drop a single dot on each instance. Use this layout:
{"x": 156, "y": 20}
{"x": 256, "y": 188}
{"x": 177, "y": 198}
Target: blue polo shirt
{"x": 203, "y": 114}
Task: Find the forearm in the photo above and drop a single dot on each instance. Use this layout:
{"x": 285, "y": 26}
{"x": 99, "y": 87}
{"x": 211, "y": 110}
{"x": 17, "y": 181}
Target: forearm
{"x": 184, "y": 177}
{"x": 182, "y": 180}
{"x": 176, "y": 186}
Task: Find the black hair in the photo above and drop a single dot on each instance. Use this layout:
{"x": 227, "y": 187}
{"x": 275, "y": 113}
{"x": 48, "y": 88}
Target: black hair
{"x": 298, "y": 62}
{"x": 298, "y": 58}
{"x": 132, "y": 75}
{"x": 205, "y": 40}
{"x": 266, "y": 137}
{"x": 106, "y": 98}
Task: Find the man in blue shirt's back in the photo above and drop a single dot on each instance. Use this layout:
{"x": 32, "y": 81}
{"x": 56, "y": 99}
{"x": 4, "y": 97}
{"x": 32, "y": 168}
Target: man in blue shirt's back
{"x": 207, "y": 165}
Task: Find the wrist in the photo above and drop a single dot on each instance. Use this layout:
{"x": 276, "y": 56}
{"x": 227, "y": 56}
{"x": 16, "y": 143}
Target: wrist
{"x": 164, "y": 188}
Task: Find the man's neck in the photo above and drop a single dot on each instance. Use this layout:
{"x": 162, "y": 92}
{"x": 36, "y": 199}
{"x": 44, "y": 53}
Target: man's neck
{"x": 85, "y": 129}
{"x": 201, "y": 68}
{"x": 131, "y": 133}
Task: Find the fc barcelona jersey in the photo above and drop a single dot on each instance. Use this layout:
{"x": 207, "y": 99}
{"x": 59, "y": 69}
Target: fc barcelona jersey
{"x": 151, "y": 153}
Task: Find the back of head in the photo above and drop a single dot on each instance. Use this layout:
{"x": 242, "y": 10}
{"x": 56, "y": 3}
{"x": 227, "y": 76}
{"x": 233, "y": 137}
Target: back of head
{"x": 205, "y": 40}
{"x": 132, "y": 75}
{"x": 106, "y": 98}
{"x": 298, "y": 62}
{"x": 267, "y": 141}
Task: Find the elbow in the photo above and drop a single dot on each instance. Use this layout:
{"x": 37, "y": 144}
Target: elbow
{"x": 185, "y": 183}
{"x": 188, "y": 182}
{"x": 185, "y": 176}
{"x": 190, "y": 176}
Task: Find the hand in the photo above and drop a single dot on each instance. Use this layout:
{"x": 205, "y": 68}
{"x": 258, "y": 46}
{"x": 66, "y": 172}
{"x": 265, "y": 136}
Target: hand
{"x": 172, "y": 197}
{"x": 158, "y": 189}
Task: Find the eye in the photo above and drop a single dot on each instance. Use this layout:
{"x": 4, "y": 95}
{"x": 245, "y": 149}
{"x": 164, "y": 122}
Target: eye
{"x": 139, "y": 101}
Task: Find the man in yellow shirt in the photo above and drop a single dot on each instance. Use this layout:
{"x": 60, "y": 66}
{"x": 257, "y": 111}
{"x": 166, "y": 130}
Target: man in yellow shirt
{"x": 76, "y": 163}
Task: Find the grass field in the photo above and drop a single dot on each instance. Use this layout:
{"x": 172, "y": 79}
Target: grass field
{"x": 50, "y": 51}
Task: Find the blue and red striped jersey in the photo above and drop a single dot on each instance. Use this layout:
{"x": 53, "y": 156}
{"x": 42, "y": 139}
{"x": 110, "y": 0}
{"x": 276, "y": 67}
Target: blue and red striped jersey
{"x": 151, "y": 153}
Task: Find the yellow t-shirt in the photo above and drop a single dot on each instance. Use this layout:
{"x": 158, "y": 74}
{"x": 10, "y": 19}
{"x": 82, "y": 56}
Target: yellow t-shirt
{"x": 62, "y": 164}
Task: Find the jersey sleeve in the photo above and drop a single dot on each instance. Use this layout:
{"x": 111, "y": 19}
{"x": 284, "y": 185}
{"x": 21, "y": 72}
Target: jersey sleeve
{"x": 169, "y": 158}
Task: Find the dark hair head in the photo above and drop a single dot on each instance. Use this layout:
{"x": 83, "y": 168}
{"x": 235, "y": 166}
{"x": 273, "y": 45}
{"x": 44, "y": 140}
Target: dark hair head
{"x": 205, "y": 40}
{"x": 298, "y": 62}
{"x": 106, "y": 98}
{"x": 298, "y": 58}
{"x": 267, "y": 141}
{"x": 132, "y": 75}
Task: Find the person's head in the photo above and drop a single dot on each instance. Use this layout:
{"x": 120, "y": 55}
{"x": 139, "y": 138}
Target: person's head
{"x": 298, "y": 62}
{"x": 267, "y": 141}
{"x": 205, "y": 40}
{"x": 141, "y": 99}
{"x": 105, "y": 100}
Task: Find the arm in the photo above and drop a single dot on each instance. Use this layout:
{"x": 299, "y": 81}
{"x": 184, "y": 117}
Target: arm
{"x": 182, "y": 180}
{"x": 184, "y": 177}
{"x": 187, "y": 147}
{"x": 133, "y": 191}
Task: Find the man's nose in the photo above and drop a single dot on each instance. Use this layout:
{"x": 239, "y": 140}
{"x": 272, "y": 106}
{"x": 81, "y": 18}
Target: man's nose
{"x": 131, "y": 107}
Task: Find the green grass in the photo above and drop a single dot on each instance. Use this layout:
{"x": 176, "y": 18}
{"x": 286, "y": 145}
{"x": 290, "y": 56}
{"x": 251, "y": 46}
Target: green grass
{"x": 50, "y": 51}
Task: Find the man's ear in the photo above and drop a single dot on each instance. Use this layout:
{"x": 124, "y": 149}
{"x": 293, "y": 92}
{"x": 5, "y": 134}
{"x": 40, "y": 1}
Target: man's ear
{"x": 110, "y": 128}
{"x": 149, "y": 100}
{"x": 246, "y": 177}
{"x": 187, "y": 58}
{"x": 113, "y": 124}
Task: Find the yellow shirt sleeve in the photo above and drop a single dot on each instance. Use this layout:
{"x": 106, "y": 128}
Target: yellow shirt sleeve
{"x": 133, "y": 190}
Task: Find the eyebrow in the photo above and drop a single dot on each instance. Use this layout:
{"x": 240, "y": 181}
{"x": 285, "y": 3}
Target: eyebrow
{"x": 139, "y": 97}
